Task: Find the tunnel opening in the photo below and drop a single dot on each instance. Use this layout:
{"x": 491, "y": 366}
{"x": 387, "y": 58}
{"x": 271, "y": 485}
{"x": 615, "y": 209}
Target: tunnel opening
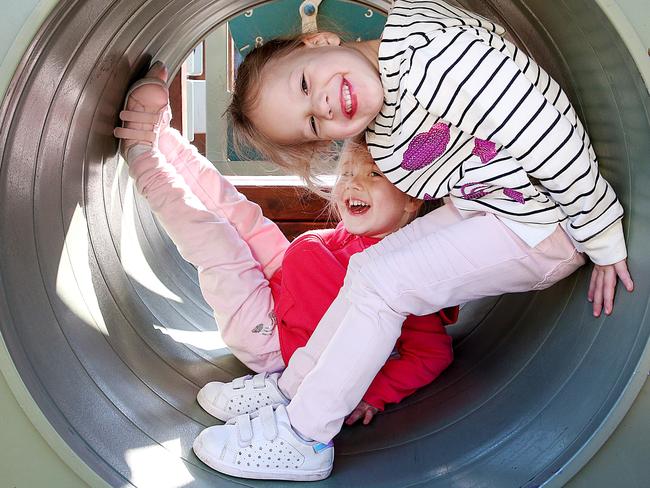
{"x": 537, "y": 385}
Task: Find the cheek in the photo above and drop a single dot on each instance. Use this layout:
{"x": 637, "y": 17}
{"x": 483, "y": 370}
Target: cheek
{"x": 388, "y": 209}
{"x": 345, "y": 129}
{"x": 373, "y": 92}
{"x": 337, "y": 198}
{"x": 391, "y": 196}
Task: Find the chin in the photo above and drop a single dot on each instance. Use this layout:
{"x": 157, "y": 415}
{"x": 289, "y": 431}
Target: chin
{"x": 356, "y": 230}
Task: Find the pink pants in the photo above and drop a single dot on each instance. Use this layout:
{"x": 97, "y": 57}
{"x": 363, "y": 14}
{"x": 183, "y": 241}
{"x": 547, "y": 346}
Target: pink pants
{"x": 235, "y": 248}
{"x": 437, "y": 261}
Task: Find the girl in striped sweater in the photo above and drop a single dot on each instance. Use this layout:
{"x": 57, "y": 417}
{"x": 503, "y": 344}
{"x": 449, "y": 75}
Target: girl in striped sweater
{"x": 450, "y": 109}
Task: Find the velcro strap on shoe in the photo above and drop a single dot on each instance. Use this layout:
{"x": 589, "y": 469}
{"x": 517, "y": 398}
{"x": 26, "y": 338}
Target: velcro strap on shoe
{"x": 269, "y": 423}
{"x": 259, "y": 381}
{"x": 141, "y": 117}
{"x": 244, "y": 429}
{"x": 134, "y": 134}
{"x": 238, "y": 383}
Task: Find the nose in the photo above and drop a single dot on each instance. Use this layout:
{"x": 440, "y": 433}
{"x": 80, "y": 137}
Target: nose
{"x": 321, "y": 106}
{"x": 355, "y": 182}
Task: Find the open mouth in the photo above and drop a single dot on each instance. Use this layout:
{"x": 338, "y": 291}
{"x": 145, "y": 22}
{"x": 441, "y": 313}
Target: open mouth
{"x": 357, "y": 207}
{"x": 348, "y": 99}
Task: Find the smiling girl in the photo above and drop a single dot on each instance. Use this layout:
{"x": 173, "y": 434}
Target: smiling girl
{"x": 450, "y": 108}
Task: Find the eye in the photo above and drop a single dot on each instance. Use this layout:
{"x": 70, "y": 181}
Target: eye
{"x": 303, "y": 84}
{"x": 376, "y": 173}
{"x": 312, "y": 123}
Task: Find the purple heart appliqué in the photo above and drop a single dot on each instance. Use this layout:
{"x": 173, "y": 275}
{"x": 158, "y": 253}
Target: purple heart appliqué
{"x": 425, "y": 147}
{"x": 486, "y": 150}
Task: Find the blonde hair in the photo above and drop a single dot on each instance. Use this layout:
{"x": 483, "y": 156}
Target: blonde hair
{"x": 352, "y": 146}
{"x": 349, "y": 147}
{"x": 306, "y": 159}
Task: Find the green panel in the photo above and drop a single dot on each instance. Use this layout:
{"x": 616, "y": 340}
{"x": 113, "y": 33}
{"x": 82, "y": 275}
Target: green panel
{"x": 25, "y": 449}
{"x": 265, "y": 22}
{"x": 283, "y": 19}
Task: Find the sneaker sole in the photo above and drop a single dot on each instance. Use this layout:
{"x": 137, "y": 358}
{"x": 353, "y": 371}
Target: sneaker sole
{"x": 256, "y": 475}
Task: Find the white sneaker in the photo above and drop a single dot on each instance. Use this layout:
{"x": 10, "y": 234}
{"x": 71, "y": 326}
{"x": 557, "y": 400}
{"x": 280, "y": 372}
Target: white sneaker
{"x": 242, "y": 395}
{"x": 264, "y": 446}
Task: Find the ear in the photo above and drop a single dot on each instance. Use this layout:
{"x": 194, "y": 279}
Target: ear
{"x": 322, "y": 39}
{"x": 413, "y": 204}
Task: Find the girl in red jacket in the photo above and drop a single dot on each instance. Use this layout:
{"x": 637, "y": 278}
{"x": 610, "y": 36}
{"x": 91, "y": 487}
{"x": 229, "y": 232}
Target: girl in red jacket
{"x": 268, "y": 295}
{"x": 310, "y": 277}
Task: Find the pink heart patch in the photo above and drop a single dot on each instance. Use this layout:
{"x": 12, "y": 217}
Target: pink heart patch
{"x": 486, "y": 150}
{"x": 425, "y": 147}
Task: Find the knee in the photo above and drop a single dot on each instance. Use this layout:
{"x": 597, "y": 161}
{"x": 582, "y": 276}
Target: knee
{"x": 376, "y": 285}
{"x": 369, "y": 280}
{"x": 357, "y": 262}
{"x": 362, "y": 290}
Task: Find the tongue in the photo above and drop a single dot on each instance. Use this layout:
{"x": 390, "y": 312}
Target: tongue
{"x": 359, "y": 210}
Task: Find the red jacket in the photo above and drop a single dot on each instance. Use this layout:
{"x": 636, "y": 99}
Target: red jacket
{"x": 311, "y": 275}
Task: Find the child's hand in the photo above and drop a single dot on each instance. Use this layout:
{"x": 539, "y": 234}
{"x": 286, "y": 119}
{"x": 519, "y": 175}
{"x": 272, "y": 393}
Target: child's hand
{"x": 603, "y": 285}
{"x": 364, "y": 410}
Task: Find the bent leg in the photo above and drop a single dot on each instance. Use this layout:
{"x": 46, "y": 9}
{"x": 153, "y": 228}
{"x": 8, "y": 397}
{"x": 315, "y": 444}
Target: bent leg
{"x": 470, "y": 259}
{"x": 231, "y": 279}
{"x": 305, "y": 358}
{"x": 218, "y": 195}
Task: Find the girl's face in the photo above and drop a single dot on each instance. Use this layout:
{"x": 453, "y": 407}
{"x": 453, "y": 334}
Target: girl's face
{"x": 321, "y": 91}
{"x": 368, "y": 203}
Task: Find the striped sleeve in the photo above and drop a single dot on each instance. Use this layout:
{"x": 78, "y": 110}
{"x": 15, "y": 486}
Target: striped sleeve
{"x": 482, "y": 91}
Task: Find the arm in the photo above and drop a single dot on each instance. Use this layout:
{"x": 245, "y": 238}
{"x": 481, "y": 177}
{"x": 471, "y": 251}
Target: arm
{"x": 483, "y": 92}
{"x": 480, "y": 90}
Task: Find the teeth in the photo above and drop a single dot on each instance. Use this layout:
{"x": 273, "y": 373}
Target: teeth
{"x": 347, "y": 98}
{"x": 357, "y": 203}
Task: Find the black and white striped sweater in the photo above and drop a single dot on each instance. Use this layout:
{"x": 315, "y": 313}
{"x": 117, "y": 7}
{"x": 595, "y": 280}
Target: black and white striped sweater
{"x": 469, "y": 115}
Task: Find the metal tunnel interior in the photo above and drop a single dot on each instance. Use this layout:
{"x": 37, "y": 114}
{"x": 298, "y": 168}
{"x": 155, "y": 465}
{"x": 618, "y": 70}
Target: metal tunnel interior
{"x": 107, "y": 328}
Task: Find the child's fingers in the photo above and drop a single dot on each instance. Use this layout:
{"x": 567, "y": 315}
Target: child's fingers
{"x": 598, "y": 295}
{"x": 602, "y": 286}
{"x": 624, "y": 274}
{"x": 609, "y": 289}
{"x": 592, "y": 284}
{"x": 353, "y": 417}
{"x": 368, "y": 416}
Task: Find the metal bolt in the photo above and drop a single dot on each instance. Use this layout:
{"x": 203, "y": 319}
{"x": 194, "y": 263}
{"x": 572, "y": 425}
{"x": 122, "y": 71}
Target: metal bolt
{"x": 309, "y": 9}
